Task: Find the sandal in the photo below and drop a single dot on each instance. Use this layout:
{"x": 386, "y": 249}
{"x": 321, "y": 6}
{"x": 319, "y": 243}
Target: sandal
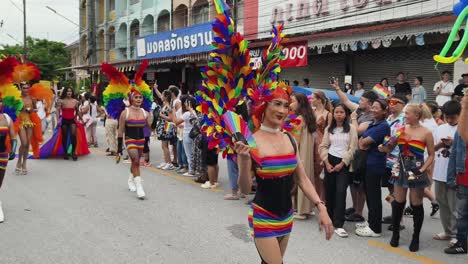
{"x": 18, "y": 171}
{"x": 441, "y": 236}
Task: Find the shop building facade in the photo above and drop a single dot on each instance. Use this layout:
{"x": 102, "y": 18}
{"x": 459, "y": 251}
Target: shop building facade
{"x": 363, "y": 40}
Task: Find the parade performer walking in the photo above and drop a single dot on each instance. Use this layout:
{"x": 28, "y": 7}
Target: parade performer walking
{"x": 132, "y": 119}
{"x": 28, "y": 124}
{"x": 10, "y": 105}
{"x": 69, "y": 138}
{"x": 270, "y": 153}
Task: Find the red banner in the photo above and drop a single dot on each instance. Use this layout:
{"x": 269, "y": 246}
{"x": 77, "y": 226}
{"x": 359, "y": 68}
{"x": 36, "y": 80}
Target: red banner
{"x": 295, "y": 55}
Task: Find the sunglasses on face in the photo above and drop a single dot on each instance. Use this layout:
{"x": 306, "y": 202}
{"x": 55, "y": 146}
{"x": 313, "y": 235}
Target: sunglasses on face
{"x": 395, "y": 102}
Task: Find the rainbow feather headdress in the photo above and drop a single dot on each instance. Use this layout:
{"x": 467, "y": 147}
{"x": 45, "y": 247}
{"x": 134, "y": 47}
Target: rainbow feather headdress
{"x": 229, "y": 77}
{"x": 11, "y": 96}
{"x": 120, "y": 87}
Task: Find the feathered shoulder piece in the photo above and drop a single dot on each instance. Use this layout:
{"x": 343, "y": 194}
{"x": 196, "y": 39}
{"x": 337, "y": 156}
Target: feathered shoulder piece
{"x": 38, "y": 91}
{"x": 141, "y": 86}
{"x": 11, "y": 96}
{"x": 25, "y": 72}
{"x": 116, "y": 91}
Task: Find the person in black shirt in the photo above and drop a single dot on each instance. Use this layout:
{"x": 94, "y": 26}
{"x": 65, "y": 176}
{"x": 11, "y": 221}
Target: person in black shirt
{"x": 402, "y": 86}
{"x": 458, "y": 93}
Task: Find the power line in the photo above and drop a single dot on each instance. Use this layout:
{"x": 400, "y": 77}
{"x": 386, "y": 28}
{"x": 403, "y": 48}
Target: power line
{"x": 17, "y": 7}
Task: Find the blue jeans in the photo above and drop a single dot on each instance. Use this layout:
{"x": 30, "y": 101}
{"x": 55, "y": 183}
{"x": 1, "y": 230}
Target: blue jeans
{"x": 462, "y": 217}
{"x": 233, "y": 173}
{"x": 181, "y": 157}
{"x": 188, "y": 151}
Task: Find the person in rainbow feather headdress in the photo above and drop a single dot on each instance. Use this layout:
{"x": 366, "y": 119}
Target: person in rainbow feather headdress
{"x": 132, "y": 119}
{"x": 10, "y": 105}
{"x": 28, "y": 124}
{"x": 270, "y": 153}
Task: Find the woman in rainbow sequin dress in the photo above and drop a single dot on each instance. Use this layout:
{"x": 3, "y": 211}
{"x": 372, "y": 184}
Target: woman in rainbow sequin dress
{"x": 271, "y": 212}
{"x": 411, "y": 172}
{"x": 133, "y": 120}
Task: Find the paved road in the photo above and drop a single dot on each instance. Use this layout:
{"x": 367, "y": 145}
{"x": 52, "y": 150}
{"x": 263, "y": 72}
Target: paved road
{"x": 81, "y": 212}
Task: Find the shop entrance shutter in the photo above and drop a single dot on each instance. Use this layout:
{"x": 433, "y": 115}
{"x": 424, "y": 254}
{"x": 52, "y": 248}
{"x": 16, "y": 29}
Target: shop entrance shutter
{"x": 320, "y": 69}
{"x": 370, "y": 66}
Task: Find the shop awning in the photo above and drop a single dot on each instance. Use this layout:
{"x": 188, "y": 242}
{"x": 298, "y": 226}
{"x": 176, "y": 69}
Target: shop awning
{"x": 385, "y": 32}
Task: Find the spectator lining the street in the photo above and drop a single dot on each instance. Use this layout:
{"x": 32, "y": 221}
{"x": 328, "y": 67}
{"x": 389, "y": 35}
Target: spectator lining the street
{"x": 413, "y": 172}
{"x": 306, "y": 138}
{"x": 458, "y": 92}
{"x": 446, "y": 196}
{"x": 444, "y": 89}
{"x": 370, "y": 140}
{"x": 305, "y": 82}
{"x": 402, "y": 86}
{"x": 359, "y": 89}
{"x": 418, "y": 93}
{"x": 165, "y": 134}
{"x": 336, "y": 151}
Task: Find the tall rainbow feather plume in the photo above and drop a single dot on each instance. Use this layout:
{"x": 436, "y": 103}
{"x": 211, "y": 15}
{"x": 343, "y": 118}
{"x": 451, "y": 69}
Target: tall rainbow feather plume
{"x": 225, "y": 79}
{"x": 143, "y": 87}
{"x": 11, "y": 96}
{"x": 116, "y": 91}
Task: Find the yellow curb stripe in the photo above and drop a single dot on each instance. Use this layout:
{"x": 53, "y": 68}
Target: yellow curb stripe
{"x": 165, "y": 173}
{"x": 404, "y": 253}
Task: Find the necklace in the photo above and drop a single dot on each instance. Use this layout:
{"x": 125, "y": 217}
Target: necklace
{"x": 269, "y": 129}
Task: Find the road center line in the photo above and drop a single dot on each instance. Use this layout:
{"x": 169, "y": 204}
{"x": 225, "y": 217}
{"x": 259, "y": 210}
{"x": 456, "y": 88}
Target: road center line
{"x": 404, "y": 253}
{"x": 164, "y": 172}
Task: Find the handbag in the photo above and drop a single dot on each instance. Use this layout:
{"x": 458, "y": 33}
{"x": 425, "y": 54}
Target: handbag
{"x": 411, "y": 169}
{"x": 195, "y": 131}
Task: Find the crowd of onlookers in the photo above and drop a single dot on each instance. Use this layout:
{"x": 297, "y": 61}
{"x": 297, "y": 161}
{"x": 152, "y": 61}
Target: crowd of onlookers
{"x": 403, "y": 143}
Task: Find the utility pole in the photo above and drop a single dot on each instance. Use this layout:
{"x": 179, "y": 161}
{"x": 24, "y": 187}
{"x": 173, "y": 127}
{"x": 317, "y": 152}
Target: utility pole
{"x": 24, "y": 30}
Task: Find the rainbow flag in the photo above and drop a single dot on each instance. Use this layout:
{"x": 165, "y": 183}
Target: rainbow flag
{"x": 169, "y": 127}
{"x": 394, "y": 137}
{"x": 381, "y": 91}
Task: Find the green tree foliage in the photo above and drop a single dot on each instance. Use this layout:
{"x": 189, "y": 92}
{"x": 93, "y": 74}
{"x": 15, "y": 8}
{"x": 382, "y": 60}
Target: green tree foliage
{"x": 49, "y": 56}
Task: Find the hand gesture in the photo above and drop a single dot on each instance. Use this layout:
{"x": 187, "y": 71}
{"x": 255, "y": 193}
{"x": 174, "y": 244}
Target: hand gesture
{"x": 242, "y": 150}
{"x": 381, "y": 148}
{"x": 338, "y": 167}
{"x": 335, "y": 84}
{"x": 325, "y": 223}
{"x": 354, "y": 115}
{"x": 329, "y": 167}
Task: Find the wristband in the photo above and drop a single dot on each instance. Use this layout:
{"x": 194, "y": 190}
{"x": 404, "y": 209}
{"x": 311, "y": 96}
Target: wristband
{"x": 119, "y": 145}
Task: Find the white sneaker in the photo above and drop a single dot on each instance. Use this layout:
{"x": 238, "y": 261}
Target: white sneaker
{"x": 208, "y": 185}
{"x": 2, "y": 217}
{"x": 341, "y": 232}
{"x": 366, "y": 232}
{"x": 160, "y": 166}
{"x": 131, "y": 184}
{"x": 188, "y": 174}
{"x": 168, "y": 166}
{"x": 139, "y": 188}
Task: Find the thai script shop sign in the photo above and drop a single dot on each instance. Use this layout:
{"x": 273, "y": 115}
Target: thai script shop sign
{"x": 189, "y": 40}
{"x": 301, "y": 16}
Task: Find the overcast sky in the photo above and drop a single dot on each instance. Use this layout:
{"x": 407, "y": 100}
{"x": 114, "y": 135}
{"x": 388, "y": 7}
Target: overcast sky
{"x": 40, "y": 21}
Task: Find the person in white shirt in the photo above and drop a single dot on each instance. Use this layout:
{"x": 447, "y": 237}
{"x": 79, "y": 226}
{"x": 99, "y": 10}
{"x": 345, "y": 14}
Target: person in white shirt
{"x": 444, "y": 89}
{"x": 446, "y": 196}
{"x": 41, "y": 112}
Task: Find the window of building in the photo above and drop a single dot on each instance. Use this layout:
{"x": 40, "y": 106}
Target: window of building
{"x": 201, "y": 13}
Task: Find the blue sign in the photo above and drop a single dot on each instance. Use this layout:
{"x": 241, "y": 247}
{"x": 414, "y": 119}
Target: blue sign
{"x": 189, "y": 40}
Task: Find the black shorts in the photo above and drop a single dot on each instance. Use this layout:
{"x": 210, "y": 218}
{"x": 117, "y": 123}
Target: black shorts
{"x": 211, "y": 157}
